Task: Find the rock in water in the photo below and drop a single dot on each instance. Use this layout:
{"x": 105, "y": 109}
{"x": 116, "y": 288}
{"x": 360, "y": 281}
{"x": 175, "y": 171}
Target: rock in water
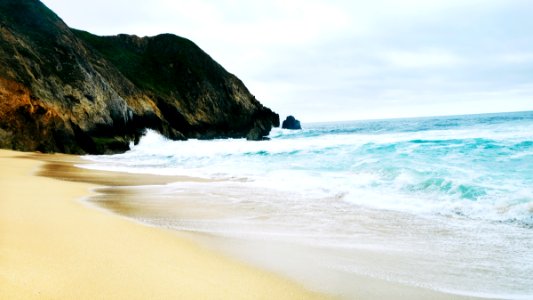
{"x": 66, "y": 90}
{"x": 291, "y": 123}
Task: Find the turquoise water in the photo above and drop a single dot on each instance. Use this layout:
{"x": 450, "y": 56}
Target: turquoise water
{"x": 440, "y": 191}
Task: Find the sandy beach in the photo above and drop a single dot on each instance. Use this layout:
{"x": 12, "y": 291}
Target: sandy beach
{"x": 224, "y": 150}
{"x": 54, "y": 246}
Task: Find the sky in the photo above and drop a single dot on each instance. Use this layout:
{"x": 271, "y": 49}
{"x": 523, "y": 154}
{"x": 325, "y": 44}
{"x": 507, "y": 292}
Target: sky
{"x": 332, "y": 60}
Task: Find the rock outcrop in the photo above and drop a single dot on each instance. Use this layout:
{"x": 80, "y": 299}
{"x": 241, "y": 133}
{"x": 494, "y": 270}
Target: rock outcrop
{"x": 66, "y": 90}
{"x": 291, "y": 123}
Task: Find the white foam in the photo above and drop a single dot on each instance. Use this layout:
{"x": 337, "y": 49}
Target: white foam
{"x": 436, "y": 197}
{"x": 348, "y": 164}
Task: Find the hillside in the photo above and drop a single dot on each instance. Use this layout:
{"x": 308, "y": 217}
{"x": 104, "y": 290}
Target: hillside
{"x": 66, "y": 90}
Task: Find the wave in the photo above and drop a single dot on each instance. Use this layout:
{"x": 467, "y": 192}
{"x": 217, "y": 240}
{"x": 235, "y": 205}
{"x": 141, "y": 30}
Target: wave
{"x": 473, "y": 167}
{"x": 449, "y": 197}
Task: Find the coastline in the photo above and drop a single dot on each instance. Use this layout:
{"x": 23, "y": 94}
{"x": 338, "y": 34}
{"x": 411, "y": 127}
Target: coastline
{"x": 57, "y": 240}
{"x": 53, "y": 246}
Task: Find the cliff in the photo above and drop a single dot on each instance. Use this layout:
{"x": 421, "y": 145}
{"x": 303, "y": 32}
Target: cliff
{"x": 66, "y": 90}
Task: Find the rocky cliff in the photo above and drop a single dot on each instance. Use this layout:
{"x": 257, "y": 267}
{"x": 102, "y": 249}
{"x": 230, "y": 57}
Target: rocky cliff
{"x": 66, "y": 90}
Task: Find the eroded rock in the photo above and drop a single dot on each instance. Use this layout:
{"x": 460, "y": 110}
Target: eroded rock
{"x": 65, "y": 90}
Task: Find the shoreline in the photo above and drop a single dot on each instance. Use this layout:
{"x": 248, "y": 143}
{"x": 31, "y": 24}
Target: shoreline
{"x": 54, "y": 246}
{"x": 279, "y": 272}
{"x": 278, "y": 257}
{"x": 296, "y": 262}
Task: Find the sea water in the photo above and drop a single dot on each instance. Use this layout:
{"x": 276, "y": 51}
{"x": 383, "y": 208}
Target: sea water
{"x": 444, "y": 203}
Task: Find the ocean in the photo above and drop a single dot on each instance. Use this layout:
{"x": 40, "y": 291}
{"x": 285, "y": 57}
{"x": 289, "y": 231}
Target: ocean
{"x": 444, "y": 203}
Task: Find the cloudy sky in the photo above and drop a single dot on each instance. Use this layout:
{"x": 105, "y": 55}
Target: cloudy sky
{"x": 342, "y": 60}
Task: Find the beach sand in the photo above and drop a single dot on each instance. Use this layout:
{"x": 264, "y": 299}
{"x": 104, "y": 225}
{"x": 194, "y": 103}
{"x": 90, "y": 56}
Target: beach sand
{"x": 54, "y": 246}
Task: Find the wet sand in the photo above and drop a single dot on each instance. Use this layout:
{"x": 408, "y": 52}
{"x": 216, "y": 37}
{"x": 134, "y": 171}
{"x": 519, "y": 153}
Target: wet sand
{"x": 316, "y": 267}
{"x": 54, "y": 246}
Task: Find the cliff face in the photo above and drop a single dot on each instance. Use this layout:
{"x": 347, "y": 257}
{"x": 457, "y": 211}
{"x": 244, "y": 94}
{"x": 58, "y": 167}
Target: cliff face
{"x": 65, "y": 90}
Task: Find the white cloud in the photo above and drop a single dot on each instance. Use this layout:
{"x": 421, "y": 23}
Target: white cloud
{"x": 345, "y": 59}
{"x": 517, "y": 58}
{"x": 432, "y": 58}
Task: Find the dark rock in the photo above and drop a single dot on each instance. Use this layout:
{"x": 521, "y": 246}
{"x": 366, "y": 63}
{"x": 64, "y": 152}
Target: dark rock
{"x": 254, "y": 134}
{"x": 258, "y": 132}
{"x": 264, "y": 120}
{"x": 291, "y": 123}
{"x": 66, "y": 90}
